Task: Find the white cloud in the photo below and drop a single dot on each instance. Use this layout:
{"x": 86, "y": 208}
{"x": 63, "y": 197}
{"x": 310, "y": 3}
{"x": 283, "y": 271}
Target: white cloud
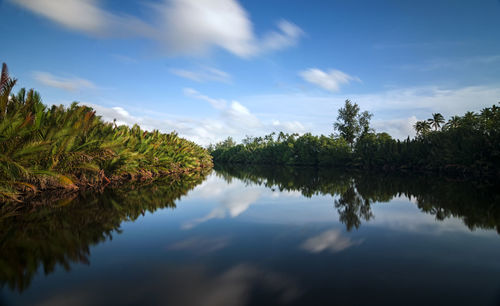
{"x": 329, "y": 80}
{"x": 216, "y": 103}
{"x": 234, "y": 199}
{"x": 330, "y": 240}
{"x": 398, "y": 128}
{"x": 395, "y": 110}
{"x": 231, "y": 119}
{"x": 189, "y": 27}
{"x": 203, "y": 75}
{"x": 87, "y": 16}
{"x": 238, "y": 121}
{"x": 70, "y": 84}
{"x": 83, "y": 15}
{"x": 288, "y": 35}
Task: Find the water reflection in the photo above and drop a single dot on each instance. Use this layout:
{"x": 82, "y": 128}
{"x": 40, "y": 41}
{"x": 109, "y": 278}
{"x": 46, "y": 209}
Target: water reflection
{"x": 258, "y": 236}
{"x": 187, "y": 285}
{"x": 330, "y": 240}
{"x": 477, "y": 204}
{"x": 49, "y": 233}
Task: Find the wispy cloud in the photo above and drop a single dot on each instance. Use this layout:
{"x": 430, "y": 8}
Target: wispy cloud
{"x": 70, "y": 84}
{"x": 185, "y": 27}
{"x": 395, "y": 110}
{"x": 216, "y": 103}
{"x": 329, "y": 80}
{"x": 204, "y": 74}
{"x": 231, "y": 119}
{"x": 239, "y": 120}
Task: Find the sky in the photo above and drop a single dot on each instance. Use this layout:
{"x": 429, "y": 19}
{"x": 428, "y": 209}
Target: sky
{"x": 210, "y": 69}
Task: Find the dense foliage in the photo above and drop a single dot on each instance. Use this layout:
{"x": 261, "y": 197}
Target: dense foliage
{"x": 465, "y": 145}
{"x": 58, "y": 147}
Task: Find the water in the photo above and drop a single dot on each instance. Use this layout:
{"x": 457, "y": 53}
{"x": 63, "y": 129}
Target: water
{"x": 260, "y": 236}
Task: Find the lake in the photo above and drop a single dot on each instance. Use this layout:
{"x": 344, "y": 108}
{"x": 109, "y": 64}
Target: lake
{"x": 258, "y": 236}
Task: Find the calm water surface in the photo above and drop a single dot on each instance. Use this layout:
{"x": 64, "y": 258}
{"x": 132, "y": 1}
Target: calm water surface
{"x": 260, "y": 236}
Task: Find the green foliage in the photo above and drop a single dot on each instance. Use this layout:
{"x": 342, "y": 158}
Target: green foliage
{"x": 466, "y": 145}
{"x": 60, "y": 147}
{"x": 285, "y": 149}
{"x": 351, "y": 124}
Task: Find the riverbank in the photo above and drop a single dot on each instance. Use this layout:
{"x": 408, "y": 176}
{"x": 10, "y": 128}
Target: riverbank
{"x": 64, "y": 149}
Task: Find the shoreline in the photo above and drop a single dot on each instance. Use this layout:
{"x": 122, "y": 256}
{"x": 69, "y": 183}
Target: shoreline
{"x": 57, "y": 191}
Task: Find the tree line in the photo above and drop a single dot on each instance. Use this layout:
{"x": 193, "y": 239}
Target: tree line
{"x": 467, "y": 145}
{"x": 71, "y": 147}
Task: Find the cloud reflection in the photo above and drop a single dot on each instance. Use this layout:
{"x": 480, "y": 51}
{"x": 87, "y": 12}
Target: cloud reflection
{"x": 187, "y": 285}
{"x": 233, "y": 198}
{"x": 200, "y": 245}
{"x": 330, "y": 240}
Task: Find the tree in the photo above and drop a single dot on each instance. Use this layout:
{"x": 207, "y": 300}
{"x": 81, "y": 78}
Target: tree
{"x": 453, "y": 123}
{"x": 436, "y": 120}
{"x": 351, "y": 124}
{"x": 422, "y": 127}
{"x": 364, "y": 122}
{"x": 6, "y": 85}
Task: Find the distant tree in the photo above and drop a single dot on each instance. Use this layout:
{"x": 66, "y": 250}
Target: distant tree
{"x": 436, "y": 120}
{"x": 422, "y": 127}
{"x": 453, "y": 123}
{"x": 364, "y": 122}
{"x": 351, "y": 123}
{"x": 226, "y": 144}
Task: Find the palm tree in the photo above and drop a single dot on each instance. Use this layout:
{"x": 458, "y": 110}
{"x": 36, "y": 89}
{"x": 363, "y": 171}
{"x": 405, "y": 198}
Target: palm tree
{"x": 436, "y": 120}
{"x": 453, "y": 123}
{"x": 422, "y": 127}
{"x": 6, "y": 85}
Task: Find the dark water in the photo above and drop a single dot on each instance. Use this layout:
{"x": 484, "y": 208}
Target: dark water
{"x": 261, "y": 236}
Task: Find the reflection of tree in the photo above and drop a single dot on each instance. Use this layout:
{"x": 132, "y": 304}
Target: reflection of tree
{"x": 60, "y": 233}
{"x": 476, "y": 203}
{"x": 353, "y": 208}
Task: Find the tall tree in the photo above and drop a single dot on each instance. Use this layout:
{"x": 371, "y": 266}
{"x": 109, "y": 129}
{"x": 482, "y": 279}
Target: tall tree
{"x": 351, "y": 124}
{"x": 453, "y": 123}
{"x": 364, "y": 122}
{"x": 422, "y": 127}
{"x": 436, "y": 120}
{"x": 6, "y": 85}
{"x": 347, "y": 122}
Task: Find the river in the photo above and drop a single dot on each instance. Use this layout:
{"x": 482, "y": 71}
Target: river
{"x": 258, "y": 236}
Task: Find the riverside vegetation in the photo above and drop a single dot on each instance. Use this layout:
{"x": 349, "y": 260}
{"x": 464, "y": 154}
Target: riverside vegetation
{"x": 66, "y": 149}
{"x": 464, "y": 146}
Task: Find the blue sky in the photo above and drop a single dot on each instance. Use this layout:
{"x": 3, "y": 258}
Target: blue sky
{"x": 216, "y": 68}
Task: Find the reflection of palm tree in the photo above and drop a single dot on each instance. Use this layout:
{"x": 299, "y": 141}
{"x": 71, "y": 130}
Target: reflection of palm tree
{"x": 436, "y": 120}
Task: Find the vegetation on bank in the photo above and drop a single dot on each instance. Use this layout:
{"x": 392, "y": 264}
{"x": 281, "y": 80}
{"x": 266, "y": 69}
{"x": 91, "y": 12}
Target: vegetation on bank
{"x": 466, "y": 145}
{"x": 68, "y": 148}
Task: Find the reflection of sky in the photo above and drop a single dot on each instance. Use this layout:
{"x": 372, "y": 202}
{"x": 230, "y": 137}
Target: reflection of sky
{"x": 259, "y": 204}
{"x": 330, "y": 240}
{"x": 224, "y": 241}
